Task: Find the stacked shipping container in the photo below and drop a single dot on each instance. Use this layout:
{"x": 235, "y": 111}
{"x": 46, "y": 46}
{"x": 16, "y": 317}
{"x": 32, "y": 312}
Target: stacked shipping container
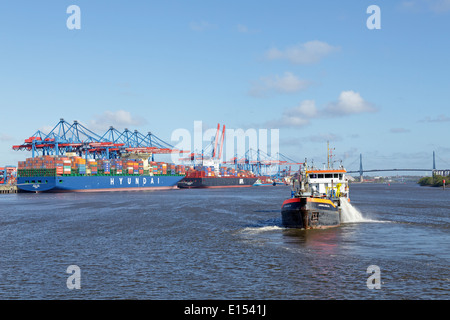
{"x": 75, "y": 165}
{"x": 208, "y": 171}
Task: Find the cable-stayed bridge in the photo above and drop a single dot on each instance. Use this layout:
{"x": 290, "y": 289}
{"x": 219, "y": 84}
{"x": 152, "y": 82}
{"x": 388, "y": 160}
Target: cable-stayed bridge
{"x": 433, "y": 170}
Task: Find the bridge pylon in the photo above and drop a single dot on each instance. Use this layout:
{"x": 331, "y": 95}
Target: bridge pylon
{"x": 361, "y": 172}
{"x": 434, "y": 163}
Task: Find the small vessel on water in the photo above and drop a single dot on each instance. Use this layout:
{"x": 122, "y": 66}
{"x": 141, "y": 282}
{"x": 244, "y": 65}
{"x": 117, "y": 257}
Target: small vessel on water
{"x": 211, "y": 175}
{"x": 268, "y": 181}
{"x": 207, "y": 171}
{"x": 316, "y": 198}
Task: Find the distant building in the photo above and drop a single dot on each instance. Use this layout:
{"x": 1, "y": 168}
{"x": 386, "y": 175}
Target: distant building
{"x": 443, "y": 173}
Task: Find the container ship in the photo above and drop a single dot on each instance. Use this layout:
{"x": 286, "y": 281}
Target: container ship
{"x": 77, "y": 174}
{"x": 316, "y": 199}
{"x": 211, "y": 177}
{"x": 209, "y": 173}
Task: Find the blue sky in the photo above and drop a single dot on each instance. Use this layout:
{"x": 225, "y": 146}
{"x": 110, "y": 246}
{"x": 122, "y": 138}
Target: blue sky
{"x": 311, "y": 69}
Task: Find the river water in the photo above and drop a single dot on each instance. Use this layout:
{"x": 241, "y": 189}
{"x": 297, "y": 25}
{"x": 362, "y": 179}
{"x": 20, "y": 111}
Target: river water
{"x": 223, "y": 244}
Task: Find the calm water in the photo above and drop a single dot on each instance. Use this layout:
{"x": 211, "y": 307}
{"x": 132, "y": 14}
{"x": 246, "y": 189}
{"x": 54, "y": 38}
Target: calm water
{"x": 222, "y": 244}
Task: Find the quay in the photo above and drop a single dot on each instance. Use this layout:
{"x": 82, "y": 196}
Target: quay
{"x": 8, "y": 188}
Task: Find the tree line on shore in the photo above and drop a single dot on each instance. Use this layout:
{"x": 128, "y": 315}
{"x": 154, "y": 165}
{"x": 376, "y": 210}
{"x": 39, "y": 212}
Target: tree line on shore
{"x": 434, "y": 181}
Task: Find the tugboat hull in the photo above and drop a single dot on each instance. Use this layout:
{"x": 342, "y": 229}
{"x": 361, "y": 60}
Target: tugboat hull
{"x": 310, "y": 213}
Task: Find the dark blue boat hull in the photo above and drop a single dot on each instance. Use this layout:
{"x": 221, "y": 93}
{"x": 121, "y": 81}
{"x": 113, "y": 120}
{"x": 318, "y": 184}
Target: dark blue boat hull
{"x": 216, "y": 182}
{"x": 97, "y": 183}
{"x": 310, "y": 213}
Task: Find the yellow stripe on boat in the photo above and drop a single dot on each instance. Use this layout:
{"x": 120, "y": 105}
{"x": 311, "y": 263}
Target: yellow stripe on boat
{"x": 321, "y": 201}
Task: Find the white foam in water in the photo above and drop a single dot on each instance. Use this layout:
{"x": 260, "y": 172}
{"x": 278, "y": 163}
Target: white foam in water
{"x": 255, "y": 230}
{"x": 351, "y": 214}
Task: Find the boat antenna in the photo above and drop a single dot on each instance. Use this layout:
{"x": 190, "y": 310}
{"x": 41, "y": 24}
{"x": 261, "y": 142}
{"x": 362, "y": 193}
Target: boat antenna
{"x": 328, "y": 154}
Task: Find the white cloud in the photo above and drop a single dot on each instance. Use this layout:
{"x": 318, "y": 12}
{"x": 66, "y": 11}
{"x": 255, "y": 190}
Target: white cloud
{"x": 349, "y": 102}
{"x": 5, "y": 137}
{"x": 440, "y": 6}
{"x": 120, "y": 119}
{"x": 307, "y": 53}
{"x": 298, "y": 116}
{"x": 286, "y": 121}
{"x": 439, "y": 118}
{"x": 324, "y": 137}
{"x": 399, "y": 130}
{"x": 46, "y": 129}
{"x": 306, "y": 108}
{"x": 408, "y": 5}
{"x": 244, "y": 29}
{"x": 287, "y": 83}
{"x": 437, "y": 6}
{"x": 201, "y": 26}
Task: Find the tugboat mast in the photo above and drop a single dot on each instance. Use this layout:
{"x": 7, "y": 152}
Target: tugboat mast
{"x": 329, "y": 156}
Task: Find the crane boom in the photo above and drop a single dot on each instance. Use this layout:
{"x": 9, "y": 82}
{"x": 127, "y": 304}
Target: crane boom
{"x": 221, "y": 142}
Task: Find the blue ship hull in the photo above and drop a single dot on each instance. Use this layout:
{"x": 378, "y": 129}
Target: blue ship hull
{"x": 97, "y": 183}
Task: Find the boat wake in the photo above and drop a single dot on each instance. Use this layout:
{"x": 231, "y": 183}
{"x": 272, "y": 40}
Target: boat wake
{"x": 257, "y": 230}
{"x": 350, "y": 214}
{"x": 263, "y": 226}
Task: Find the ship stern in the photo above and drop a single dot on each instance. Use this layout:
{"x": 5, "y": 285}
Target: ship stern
{"x": 36, "y": 184}
{"x": 309, "y": 213}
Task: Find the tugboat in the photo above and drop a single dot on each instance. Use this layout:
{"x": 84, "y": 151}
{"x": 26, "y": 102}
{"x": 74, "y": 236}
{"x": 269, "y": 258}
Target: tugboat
{"x": 316, "y": 198}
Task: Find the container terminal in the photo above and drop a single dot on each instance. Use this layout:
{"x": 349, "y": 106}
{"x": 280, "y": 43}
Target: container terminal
{"x": 72, "y": 158}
